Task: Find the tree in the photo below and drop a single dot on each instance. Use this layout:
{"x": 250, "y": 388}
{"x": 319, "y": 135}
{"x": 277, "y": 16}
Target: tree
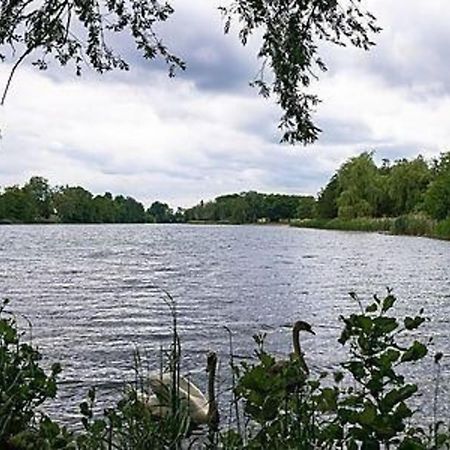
{"x": 16, "y": 205}
{"x": 129, "y": 210}
{"x": 306, "y": 208}
{"x": 407, "y": 183}
{"x": 74, "y": 205}
{"x": 290, "y": 30}
{"x": 41, "y": 196}
{"x": 160, "y": 212}
{"x": 361, "y": 194}
{"x": 105, "y": 209}
{"x": 326, "y": 206}
{"x": 437, "y": 196}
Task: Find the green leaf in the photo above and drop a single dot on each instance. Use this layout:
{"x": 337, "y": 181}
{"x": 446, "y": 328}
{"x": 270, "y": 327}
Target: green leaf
{"x": 412, "y": 324}
{"x": 385, "y": 325}
{"x": 388, "y": 303}
{"x": 395, "y": 396}
{"x": 368, "y": 416}
{"x": 356, "y": 369}
{"x": 412, "y": 444}
{"x": 416, "y": 352}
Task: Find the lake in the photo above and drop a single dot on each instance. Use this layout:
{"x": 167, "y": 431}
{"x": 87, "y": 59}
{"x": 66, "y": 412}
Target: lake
{"x": 94, "y": 293}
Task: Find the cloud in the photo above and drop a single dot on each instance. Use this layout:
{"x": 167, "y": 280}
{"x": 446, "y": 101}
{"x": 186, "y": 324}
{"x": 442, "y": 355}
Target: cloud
{"x": 206, "y": 132}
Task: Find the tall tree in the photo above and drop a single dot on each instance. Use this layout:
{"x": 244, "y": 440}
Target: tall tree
{"x": 42, "y": 197}
{"x": 361, "y": 194}
{"x": 16, "y": 205}
{"x": 326, "y": 207}
{"x": 160, "y": 212}
{"x": 407, "y": 183}
{"x": 74, "y": 205}
{"x": 290, "y": 31}
{"x": 437, "y": 197}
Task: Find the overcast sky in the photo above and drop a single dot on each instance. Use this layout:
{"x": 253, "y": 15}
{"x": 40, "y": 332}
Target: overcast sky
{"x": 207, "y": 133}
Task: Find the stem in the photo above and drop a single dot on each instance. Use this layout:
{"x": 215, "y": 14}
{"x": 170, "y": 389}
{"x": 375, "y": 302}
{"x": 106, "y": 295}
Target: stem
{"x": 11, "y": 74}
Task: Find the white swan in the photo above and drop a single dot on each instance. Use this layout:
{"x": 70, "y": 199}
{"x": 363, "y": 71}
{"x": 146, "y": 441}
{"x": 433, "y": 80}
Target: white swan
{"x": 201, "y": 410}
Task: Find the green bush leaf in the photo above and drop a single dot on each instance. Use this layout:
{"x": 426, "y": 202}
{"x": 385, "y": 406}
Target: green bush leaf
{"x": 388, "y": 303}
{"x": 416, "y": 352}
{"x": 412, "y": 324}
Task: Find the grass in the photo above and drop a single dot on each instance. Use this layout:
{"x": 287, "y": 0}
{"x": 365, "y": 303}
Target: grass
{"x": 410, "y": 225}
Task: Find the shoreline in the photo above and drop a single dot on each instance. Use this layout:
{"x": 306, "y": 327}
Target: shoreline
{"x": 410, "y": 225}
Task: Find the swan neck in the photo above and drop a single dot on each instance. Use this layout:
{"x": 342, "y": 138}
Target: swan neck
{"x": 296, "y": 342}
{"x": 298, "y": 350}
{"x": 213, "y": 414}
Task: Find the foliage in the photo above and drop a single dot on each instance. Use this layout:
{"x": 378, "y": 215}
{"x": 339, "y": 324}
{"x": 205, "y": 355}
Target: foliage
{"x": 160, "y": 212}
{"x": 252, "y": 207}
{"x": 83, "y": 32}
{"x": 406, "y": 197}
{"x": 38, "y": 202}
{"x": 291, "y": 31}
{"x": 360, "y": 188}
{"x": 443, "y": 229}
{"x": 326, "y": 207}
{"x": 39, "y": 192}
{"x": 363, "y": 405}
{"x": 278, "y": 402}
{"x": 415, "y": 225}
{"x": 24, "y": 385}
{"x": 407, "y": 182}
{"x": 437, "y": 197}
{"x": 374, "y": 411}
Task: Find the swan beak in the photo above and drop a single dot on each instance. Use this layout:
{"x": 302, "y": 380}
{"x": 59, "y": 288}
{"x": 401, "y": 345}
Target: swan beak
{"x": 312, "y": 331}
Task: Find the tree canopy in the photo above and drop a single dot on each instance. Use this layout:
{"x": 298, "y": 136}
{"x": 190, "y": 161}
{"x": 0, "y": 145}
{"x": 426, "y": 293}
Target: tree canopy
{"x": 360, "y": 188}
{"x": 82, "y": 32}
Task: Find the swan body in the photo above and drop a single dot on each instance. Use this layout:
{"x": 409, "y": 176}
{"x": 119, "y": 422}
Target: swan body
{"x": 201, "y": 409}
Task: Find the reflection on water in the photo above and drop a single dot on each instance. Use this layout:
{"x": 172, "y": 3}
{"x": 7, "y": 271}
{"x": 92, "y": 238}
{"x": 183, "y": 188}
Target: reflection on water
{"x": 92, "y": 292}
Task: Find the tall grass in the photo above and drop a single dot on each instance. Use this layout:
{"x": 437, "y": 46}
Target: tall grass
{"x": 412, "y": 225}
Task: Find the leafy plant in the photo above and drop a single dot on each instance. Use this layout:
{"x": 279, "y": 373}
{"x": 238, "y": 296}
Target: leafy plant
{"x": 24, "y": 384}
{"x": 373, "y": 411}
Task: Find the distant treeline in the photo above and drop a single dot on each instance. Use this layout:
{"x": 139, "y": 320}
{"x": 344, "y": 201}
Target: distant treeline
{"x": 252, "y": 207}
{"x": 359, "y": 189}
{"x": 38, "y": 202}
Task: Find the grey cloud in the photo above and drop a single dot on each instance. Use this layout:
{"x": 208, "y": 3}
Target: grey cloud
{"x": 338, "y": 131}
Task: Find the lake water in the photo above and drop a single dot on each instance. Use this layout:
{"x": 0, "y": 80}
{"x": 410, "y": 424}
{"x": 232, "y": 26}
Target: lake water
{"x": 93, "y": 294}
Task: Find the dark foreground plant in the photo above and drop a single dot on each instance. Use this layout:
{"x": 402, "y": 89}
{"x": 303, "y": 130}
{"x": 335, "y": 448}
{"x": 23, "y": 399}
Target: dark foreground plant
{"x": 366, "y": 404}
{"x": 24, "y": 385}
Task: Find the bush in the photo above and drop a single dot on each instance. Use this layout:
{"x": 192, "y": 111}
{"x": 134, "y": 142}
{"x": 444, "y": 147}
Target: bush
{"x": 443, "y": 229}
{"x": 24, "y": 385}
{"x": 414, "y": 225}
{"x": 362, "y": 405}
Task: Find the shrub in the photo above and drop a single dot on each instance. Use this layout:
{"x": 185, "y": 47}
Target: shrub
{"x": 24, "y": 385}
{"x": 365, "y": 404}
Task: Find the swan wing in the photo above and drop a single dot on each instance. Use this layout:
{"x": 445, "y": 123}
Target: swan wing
{"x": 190, "y": 388}
{"x": 160, "y": 385}
{"x": 152, "y": 402}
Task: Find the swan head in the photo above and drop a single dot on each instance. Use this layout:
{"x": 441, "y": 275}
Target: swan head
{"x": 211, "y": 361}
{"x": 300, "y": 325}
